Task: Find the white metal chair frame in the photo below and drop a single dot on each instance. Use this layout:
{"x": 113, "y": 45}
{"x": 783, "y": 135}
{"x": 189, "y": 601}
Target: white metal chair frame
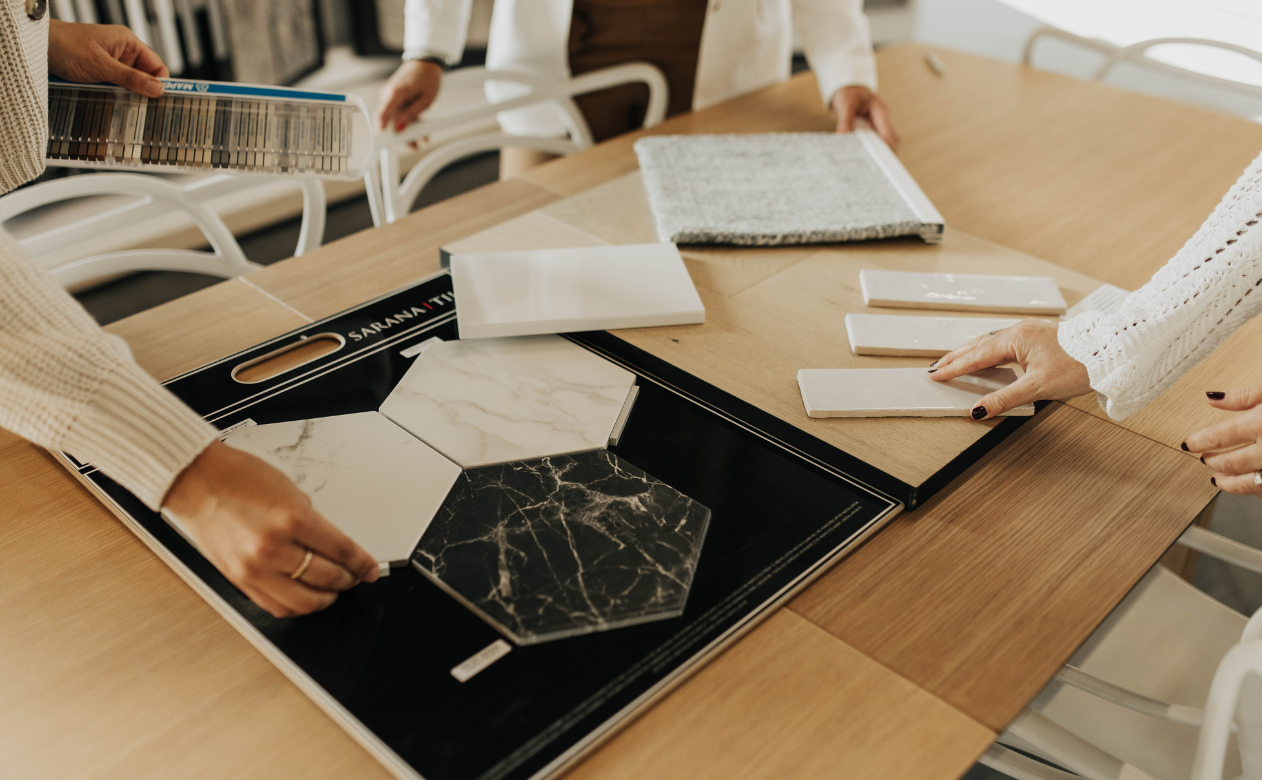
{"x": 156, "y": 197}
{"x": 1137, "y": 54}
{"x": 1216, "y": 721}
{"x": 397, "y": 194}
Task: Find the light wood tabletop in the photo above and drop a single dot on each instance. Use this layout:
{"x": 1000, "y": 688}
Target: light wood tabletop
{"x": 903, "y": 661}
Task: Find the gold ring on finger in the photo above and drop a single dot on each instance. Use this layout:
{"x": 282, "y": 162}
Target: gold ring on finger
{"x": 302, "y": 569}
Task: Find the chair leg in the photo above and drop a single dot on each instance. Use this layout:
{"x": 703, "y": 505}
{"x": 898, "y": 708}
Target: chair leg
{"x": 1070, "y": 750}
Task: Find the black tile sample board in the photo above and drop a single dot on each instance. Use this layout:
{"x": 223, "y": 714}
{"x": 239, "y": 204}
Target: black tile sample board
{"x": 391, "y": 661}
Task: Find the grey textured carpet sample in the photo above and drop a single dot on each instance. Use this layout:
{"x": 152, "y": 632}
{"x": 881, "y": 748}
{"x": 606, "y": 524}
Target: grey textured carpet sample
{"x": 770, "y": 189}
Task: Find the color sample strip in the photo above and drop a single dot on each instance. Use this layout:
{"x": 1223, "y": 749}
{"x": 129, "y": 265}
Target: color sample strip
{"x": 114, "y": 127}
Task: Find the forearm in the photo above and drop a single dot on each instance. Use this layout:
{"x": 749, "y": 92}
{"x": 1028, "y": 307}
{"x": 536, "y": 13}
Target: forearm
{"x": 838, "y": 44}
{"x": 436, "y": 28}
{"x": 1211, "y": 287}
{"x": 67, "y": 385}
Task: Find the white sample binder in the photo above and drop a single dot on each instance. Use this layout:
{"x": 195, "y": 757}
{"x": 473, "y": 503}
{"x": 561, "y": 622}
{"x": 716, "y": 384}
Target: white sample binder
{"x": 899, "y": 392}
{"x": 376, "y": 482}
{"x": 914, "y": 336}
{"x": 567, "y": 290}
{"x": 962, "y": 292}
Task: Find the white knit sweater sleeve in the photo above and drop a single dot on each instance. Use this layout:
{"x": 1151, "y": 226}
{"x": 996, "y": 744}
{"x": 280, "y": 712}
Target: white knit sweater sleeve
{"x": 67, "y": 385}
{"x": 1208, "y": 290}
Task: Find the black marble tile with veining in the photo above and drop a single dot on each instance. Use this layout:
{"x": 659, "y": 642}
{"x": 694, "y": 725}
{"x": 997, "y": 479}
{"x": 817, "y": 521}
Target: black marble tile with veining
{"x": 565, "y": 545}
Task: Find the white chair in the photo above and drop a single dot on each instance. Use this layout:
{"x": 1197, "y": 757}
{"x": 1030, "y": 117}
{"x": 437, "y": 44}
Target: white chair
{"x": 1137, "y": 54}
{"x": 154, "y": 197}
{"x": 1153, "y": 693}
{"x": 398, "y": 193}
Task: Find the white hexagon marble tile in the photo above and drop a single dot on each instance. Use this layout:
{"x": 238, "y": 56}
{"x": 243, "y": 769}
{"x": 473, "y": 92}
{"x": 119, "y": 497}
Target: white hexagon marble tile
{"x": 368, "y": 477}
{"x": 492, "y": 401}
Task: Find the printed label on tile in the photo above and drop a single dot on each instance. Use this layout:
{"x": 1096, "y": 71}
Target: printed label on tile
{"x": 1106, "y": 298}
{"x": 226, "y": 432}
{"x": 481, "y": 659}
{"x": 417, "y": 349}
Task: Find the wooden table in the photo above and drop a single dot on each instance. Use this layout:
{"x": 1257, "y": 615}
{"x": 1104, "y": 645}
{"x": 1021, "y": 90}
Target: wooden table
{"x": 903, "y": 661}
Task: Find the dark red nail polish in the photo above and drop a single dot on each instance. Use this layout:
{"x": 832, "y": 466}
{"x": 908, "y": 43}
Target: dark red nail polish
{"x": 978, "y": 412}
{"x": 934, "y": 363}
{"x": 932, "y": 370}
{"x": 1202, "y": 459}
{"x": 1214, "y": 395}
{"x": 1184, "y": 445}
{"x": 1213, "y": 481}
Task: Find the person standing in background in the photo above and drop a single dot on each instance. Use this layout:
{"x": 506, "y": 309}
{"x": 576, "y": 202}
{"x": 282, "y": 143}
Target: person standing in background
{"x": 709, "y": 50}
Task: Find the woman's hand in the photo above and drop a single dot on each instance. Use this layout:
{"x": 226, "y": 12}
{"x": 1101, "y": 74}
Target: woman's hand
{"x": 412, "y": 89}
{"x": 89, "y": 53}
{"x": 1050, "y": 373}
{"x": 1233, "y": 448}
{"x": 852, "y": 104}
{"x": 256, "y": 526}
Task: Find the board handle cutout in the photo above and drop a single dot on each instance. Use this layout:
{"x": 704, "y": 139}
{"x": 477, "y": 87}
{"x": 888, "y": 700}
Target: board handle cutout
{"x": 288, "y": 358}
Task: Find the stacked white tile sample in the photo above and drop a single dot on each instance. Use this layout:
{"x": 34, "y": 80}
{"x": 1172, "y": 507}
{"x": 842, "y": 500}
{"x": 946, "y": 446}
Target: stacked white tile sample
{"x": 899, "y": 392}
{"x": 911, "y": 336}
{"x": 369, "y": 477}
{"x": 490, "y": 401}
{"x": 962, "y": 292}
{"x": 567, "y": 290}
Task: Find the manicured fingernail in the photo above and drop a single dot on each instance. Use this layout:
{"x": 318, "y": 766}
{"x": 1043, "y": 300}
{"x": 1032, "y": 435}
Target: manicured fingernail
{"x": 1203, "y": 459}
{"x": 1184, "y": 445}
{"x": 1215, "y": 395}
{"x": 1213, "y": 481}
{"x": 978, "y": 412}
{"x": 932, "y": 370}
{"x": 934, "y": 363}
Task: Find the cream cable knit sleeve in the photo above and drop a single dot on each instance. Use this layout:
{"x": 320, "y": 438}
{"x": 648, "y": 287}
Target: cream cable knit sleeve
{"x": 64, "y": 383}
{"x": 1208, "y": 290}
{"x": 67, "y": 385}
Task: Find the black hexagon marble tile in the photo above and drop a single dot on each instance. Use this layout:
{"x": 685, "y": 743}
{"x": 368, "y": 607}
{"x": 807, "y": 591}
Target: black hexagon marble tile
{"x": 565, "y": 545}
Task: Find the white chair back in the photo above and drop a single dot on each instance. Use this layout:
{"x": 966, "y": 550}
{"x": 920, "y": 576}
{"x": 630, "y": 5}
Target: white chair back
{"x": 398, "y": 193}
{"x": 154, "y": 197}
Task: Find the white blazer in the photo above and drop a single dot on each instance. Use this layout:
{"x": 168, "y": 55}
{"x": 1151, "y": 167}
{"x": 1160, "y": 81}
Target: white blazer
{"x": 745, "y": 45}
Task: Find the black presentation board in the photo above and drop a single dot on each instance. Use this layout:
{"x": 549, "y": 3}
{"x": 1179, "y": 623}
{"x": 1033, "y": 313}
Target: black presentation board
{"x": 380, "y": 660}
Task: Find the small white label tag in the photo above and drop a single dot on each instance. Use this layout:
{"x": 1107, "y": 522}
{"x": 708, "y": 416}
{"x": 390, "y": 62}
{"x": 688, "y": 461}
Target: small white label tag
{"x": 226, "y": 432}
{"x": 417, "y": 349}
{"x": 481, "y": 659}
{"x": 1106, "y": 298}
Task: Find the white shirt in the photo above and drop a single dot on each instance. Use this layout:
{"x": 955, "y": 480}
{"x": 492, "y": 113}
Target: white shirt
{"x": 745, "y": 45}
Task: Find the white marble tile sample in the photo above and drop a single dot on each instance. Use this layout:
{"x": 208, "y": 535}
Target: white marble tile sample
{"x": 568, "y": 290}
{"x": 913, "y": 336}
{"x": 369, "y": 477}
{"x": 962, "y": 292}
{"x": 898, "y": 392}
{"x": 490, "y": 401}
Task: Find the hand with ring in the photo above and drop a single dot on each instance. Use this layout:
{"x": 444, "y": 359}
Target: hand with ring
{"x": 261, "y": 531}
{"x": 1233, "y": 447}
{"x": 1050, "y": 373}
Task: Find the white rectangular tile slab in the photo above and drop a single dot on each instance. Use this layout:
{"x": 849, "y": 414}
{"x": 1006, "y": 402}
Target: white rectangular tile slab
{"x": 487, "y": 401}
{"x": 915, "y": 336}
{"x": 373, "y": 480}
{"x": 962, "y": 292}
{"x": 898, "y": 392}
{"x": 567, "y": 290}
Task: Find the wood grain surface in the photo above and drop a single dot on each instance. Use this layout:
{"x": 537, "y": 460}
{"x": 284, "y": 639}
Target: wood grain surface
{"x": 204, "y": 326}
{"x": 981, "y": 594}
{"x": 819, "y": 708}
